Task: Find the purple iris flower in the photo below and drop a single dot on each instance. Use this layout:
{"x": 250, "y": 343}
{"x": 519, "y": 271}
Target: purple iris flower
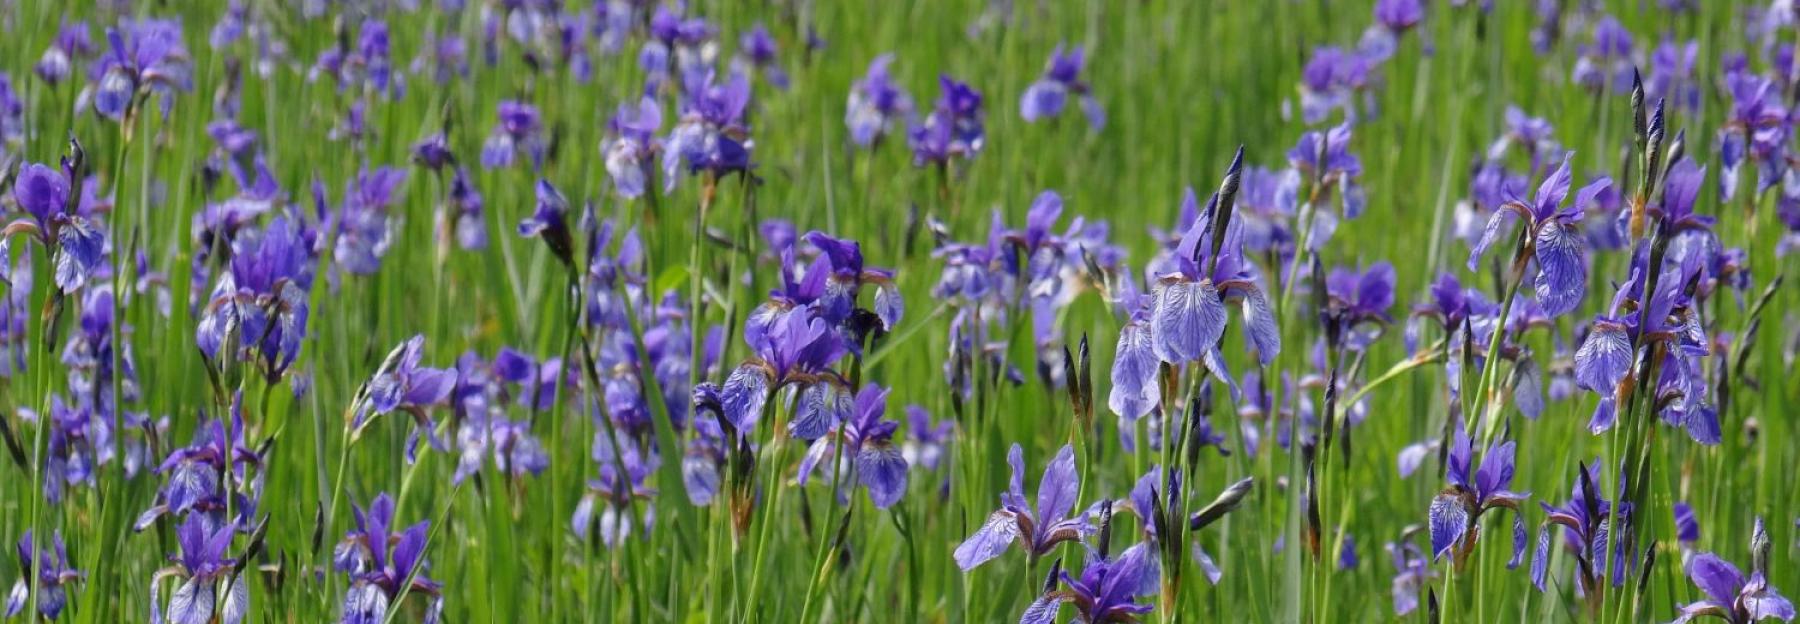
{"x": 382, "y": 563}
{"x": 1332, "y": 79}
{"x": 549, "y": 221}
{"x": 484, "y": 431}
{"x": 194, "y": 471}
{"x": 954, "y": 129}
{"x": 757, "y": 50}
{"x": 1536, "y": 136}
{"x": 1552, "y": 238}
{"x": 877, "y": 104}
{"x": 72, "y": 43}
{"x": 1730, "y": 596}
{"x": 1187, "y": 316}
{"x": 55, "y": 574}
{"x": 1399, "y": 15}
{"x": 711, "y": 135}
{"x": 1672, "y": 77}
{"x": 925, "y": 446}
{"x": 615, "y": 494}
{"x": 464, "y": 210}
{"x": 1607, "y": 353}
{"x": 1412, "y": 571}
{"x": 1143, "y": 504}
{"x": 868, "y": 445}
{"x": 847, "y": 276}
{"x": 1106, "y": 592}
{"x": 1755, "y": 129}
{"x": 1266, "y": 205}
{"x": 12, "y": 112}
{"x": 517, "y": 130}
{"x": 1392, "y": 19}
{"x": 1325, "y": 158}
{"x": 201, "y": 567}
{"x": 794, "y": 347}
{"x": 363, "y": 223}
{"x": 15, "y": 309}
{"x": 1062, "y": 78}
{"x": 55, "y": 219}
{"x": 1475, "y": 489}
{"x": 433, "y": 152}
{"x": 147, "y": 57}
{"x": 402, "y": 384}
{"x": 1037, "y": 531}
{"x": 1359, "y": 302}
{"x": 259, "y": 305}
{"x": 1606, "y": 61}
{"x": 632, "y": 146}
{"x": 1588, "y": 521}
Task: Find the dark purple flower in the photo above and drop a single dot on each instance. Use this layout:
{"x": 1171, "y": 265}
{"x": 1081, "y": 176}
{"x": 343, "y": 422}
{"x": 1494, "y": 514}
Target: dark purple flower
{"x": 1606, "y": 61}
{"x": 1730, "y": 596}
{"x": 55, "y": 574}
{"x": 549, "y": 221}
{"x": 1552, "y": 238}
{"x": 1412, "y": 571}
{"x": 757, "y": 50}
{"x": 1755, "y": 129}
{"x": 877, "y": 104}
{"x": 954, "y": 129}
{"x": 1062, "y": 77}
{"x": 925, "y": 446}
{"x": 711, "y": 135}
{"x": 72, "y": 43}
{"x": 1036, "y": 530}
{"x": 58, "y": 222}
{"x": 1106, "y": 592}
{"x": 1588, "y": 520}
{"x": 201, "y": 568}
{"x": 1333, "y": 77}
{"x": 1399, "y": 15}
{"x": 1671, "y": 77}
{"x": 259, "y": 305}
{"x": 1475, "y": 488}
{"x": 868, "y": 446}
{"x": 146, "y": 57}
{"x": 363, "y": 222}
{"x": 1359, "y": 302}
{"x": 518, "y": 130}
{"x": 632, "y": 146}
{"x": 402, "y": 384}
{"x": 1325, "y": 158}
{"x": 382, "y": 563}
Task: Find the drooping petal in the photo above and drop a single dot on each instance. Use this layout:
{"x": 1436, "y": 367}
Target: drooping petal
{"x": 1000, "y": 530}
{"x": 1186, "y": 320}
{"x": 1604, "y": 416}
{"x": 237, "y": 601}
{"x": 192, "y": 603}
{"x": 822, "y": 405}
{"x": 1604, "y": 358}
{"x": 1519, "y": 536}
{"x": 882, "y": 470}
{"x": 1260, "y": 326}
{"x": 1562, "y": 274}
{"x": 1448, "y": 519}
{"x": 1043, "y": 610}
{"x": 1540, "y": 558}
{"x": 1134, "y": 390}
{"x": 744, "y": 395}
